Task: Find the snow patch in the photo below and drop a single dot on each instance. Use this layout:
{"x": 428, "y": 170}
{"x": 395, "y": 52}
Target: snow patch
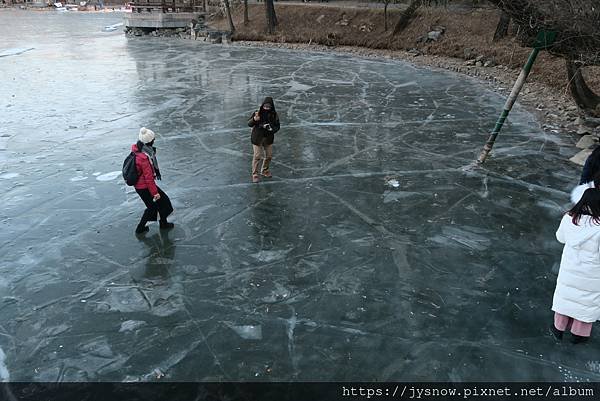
{"x": 78, "y": 178}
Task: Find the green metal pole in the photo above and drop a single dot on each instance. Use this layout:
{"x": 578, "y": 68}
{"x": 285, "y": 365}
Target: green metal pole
{"x": 508, "y": 105}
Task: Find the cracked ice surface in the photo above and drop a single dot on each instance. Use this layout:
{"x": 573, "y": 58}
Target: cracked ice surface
{"x": 372, "y": 254}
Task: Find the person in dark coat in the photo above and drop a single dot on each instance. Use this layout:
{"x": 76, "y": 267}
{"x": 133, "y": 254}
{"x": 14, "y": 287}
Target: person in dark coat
{"x": 157, "y": 202}
{"x": 264, "y": 123}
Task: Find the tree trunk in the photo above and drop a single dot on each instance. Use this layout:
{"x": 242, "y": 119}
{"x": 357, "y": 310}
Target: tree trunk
{"x": 385, "y": 16}
{"x": 228, "y": 11}
{"x": 271, "y": 16}
{"x": 502, "y": 27}
{"x": 581, "y": 92}
{"x": 406, "y": 16}
{"x": 246, "y": 19}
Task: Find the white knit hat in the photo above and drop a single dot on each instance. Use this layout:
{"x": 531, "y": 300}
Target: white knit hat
{"x": 146, "y": 135}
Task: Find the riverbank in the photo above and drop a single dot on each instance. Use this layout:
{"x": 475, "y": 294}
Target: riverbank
{"x": 464, "y": 45}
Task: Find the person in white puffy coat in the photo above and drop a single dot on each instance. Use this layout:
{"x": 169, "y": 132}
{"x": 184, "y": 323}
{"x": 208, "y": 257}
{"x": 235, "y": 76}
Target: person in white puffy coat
{"x": 576, "y": 300}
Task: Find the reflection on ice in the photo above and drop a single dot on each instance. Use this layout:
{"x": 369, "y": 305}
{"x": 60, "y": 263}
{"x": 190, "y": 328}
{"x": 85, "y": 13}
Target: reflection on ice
{"x": 4, "y": 376}
{"x": 247, "y": 332}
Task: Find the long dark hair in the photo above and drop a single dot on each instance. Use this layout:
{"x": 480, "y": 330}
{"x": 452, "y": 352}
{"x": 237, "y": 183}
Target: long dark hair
{"x": 594, "y": 167}
{"x": 588, "y": 205}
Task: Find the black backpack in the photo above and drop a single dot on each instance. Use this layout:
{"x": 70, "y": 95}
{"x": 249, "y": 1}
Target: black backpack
{"x": 130, "y": 173}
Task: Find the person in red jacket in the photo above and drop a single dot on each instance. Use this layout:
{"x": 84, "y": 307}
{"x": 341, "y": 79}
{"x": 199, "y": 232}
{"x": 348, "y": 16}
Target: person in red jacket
{"x": 156, "y": 201}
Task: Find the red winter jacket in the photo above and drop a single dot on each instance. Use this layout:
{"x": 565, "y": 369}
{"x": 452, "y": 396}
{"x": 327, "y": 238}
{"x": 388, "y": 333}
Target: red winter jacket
{"x": 145, "y": 171}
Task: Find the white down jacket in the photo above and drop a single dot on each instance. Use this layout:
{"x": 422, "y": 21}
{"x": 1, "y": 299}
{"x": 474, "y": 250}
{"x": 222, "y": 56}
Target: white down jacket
{"x": 577, "y": 292}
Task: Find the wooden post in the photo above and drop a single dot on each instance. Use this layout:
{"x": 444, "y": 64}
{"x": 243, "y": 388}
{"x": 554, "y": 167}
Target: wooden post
{"x": 544, "y": 40}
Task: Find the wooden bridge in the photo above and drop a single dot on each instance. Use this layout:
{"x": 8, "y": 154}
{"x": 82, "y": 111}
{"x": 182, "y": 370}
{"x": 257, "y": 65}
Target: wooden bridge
{"x": 158, "y": 14}
{"x": 168, "y": 6}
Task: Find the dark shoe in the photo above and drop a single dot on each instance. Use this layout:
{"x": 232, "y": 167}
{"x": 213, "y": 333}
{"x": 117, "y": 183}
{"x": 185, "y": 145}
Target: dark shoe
{"x": 165, "y": 225}
{"x": 141, "y": 229}
{"x": 575, "y": 339}
{"x": 267, "y": 174}
{"x": 556, "y": 333}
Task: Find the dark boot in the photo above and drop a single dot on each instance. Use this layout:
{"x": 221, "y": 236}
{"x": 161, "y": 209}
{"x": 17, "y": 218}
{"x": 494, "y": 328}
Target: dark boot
{"x": 575, "y": 339}
{"x": 165, "y": 225}
{"x": 141, "y": 227}
{"x": 556, "y": 333}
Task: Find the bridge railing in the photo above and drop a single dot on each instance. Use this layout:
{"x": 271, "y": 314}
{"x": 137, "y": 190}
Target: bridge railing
{"x": 165, "y": 6}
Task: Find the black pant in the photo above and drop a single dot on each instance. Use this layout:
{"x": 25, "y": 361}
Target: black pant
{"x": 162, "y": 206}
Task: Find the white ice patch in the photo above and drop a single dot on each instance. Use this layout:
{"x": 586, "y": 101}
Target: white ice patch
{"x": 4, "y": 376}
{"x": 463, "y": 236}
{"x": 96, "y": 174}
{"x": 278, "y": 294}
{"x": 247, "y": 332}
{"x": 404, "y": 85}
{"x": 8, "y": 176}
{"x": 109, "y": 176}
{"x": 111, "y": 28}
{"x": 551, "y": 205}
{"x": 296, "y": 87}
{"x": 131, "y": 325}
{"x": 394, "y": 196}
{"x": 393, "y": 183}
{"x": 428, "y": 119}
{"x": 14, "y": 51}
{"x": 270, "y": 256}
{"x": 78, "y": 178}
{"x": 593, "y": 366}
{"x": 229, "y": 151}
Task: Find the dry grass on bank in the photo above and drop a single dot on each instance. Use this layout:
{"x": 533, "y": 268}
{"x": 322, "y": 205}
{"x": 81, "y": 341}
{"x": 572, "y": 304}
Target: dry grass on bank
{"x": 465, "y": 29}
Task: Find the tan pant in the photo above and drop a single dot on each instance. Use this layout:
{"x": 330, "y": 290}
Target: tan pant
{"x": 258, "y": 155}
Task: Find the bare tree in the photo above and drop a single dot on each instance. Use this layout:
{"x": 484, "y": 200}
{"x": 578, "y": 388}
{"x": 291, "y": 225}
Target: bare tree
{"x": 577, "y": 25}
{"x": 386, "y": 3}
{"x": 271, "y": 16}
{"x": 581, "y": 92}
{"x": 228, "y": 11}
{"x": 246, "y": 19}
{"x": 406, "y": 16}
{"x": 502, "y": 27}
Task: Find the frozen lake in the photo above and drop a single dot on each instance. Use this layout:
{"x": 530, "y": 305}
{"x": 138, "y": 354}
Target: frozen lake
{"x": 371, "y": 255}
